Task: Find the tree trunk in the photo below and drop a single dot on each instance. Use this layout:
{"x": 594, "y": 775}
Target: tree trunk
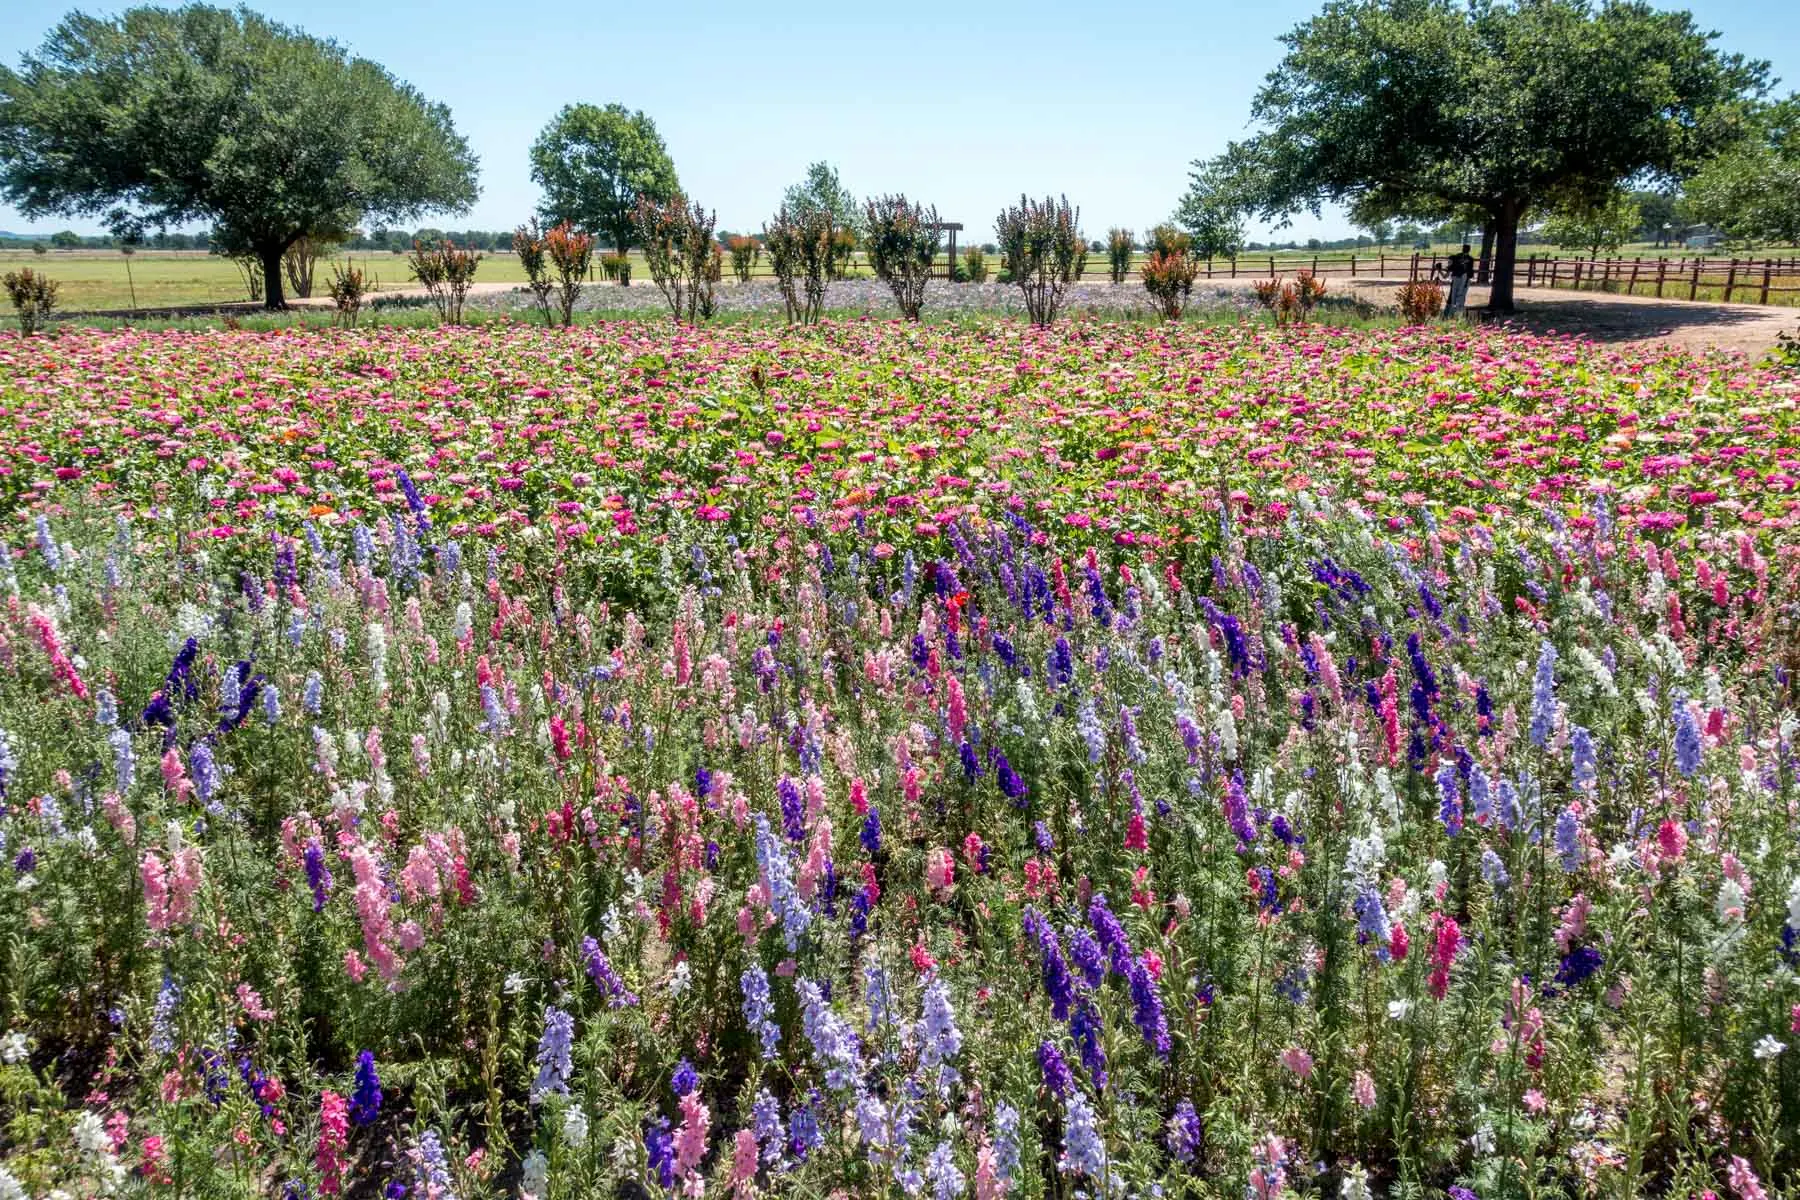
{"x": 1506, "y": 252}
{"x": 273, "y": 298}
{"x": 1485, "y": 266}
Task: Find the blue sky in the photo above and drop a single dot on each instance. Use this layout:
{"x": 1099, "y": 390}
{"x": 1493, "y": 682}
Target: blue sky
{"x": 961, "y": 104}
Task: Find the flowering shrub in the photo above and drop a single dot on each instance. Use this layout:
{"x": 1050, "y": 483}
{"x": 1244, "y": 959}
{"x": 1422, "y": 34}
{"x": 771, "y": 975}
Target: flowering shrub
{"x": 1041, "y": 251}
{"x": 1267, "y": 291}
{"x": 445, "y": 271}
{"x": 1169, "y": 271}
{"x": 33, "y": 296}
{"x": 902, "y": 240}
{"x": 570, "y": 252}
{"x": 1420, "y": 301}
{"x": 347, "y": 287}
{"x": 746, "y": 252}
{"x": 974, "y": 264}
{"x": 1118, "y": 254}
{"x": 534, "y": 258}
{"x": 695, "y": 762}
{"x": 683, "y": 256}
{"x": 801, "y": 249}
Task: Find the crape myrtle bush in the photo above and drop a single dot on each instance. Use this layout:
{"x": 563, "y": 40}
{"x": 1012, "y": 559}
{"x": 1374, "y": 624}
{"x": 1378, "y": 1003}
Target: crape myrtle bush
{"x": 895, "y": 760}
{"x": 684, "y": 258}
{"x": 902, "y": 240}
{"x": 801, "y": 248}
{"x": 1118, "y": 254}
{"x": 1041, "y": 252}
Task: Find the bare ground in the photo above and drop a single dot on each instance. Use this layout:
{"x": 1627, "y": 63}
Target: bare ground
{"x": 1629, "y": 320}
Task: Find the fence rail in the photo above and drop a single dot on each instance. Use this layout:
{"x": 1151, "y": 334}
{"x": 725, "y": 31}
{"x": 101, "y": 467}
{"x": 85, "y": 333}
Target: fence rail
{"x": 1733, "y": 280}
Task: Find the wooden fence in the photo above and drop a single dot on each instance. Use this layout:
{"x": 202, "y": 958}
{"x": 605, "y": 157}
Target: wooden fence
{"x": 1732, "y": 280}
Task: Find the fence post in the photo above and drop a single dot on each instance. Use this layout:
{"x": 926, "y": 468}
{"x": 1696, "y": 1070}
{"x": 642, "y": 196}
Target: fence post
{"x": 1662, "y": 272}
{"x": 1353, "y": 266}
{"x": 1530, "y": 269}
{"x": 1765, "y": 286}
{"x": 1577, "y": 284}
{"x": 1631, "y": 288}
{"x": 1234, "y": 266}
{"x": 1554, "y": 264}
{"x": 1731, "y": 280}
{"x": 1271, "y": 266}
{"x": 1694, "y": 281}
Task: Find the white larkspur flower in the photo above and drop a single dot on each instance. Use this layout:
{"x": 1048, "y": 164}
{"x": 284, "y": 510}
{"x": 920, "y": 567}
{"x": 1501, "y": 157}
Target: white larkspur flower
{"x": 1397, "y": 1009}
{"x": 1767, "y": 1047}
{"x": 575, "y": 1127}
{"x": 14, "y": 1048}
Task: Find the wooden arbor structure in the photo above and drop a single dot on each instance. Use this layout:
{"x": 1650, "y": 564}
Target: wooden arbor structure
{"x": 952, "y": 228}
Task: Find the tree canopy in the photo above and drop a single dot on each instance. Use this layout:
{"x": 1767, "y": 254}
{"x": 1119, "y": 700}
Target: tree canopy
{"x": 1211, "y": 212}
{"x": 1415, "y": 108}
{"x": 1751, "y": 193}
{"x": 823, "y": 191}
{"x": 1595, "y": 227}
{"x": 595, "y": 164}
{"x": 162, "y": 116}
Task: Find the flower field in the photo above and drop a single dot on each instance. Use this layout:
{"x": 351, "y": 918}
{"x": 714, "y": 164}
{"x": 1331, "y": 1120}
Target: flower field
{"x": 895, "y": 760}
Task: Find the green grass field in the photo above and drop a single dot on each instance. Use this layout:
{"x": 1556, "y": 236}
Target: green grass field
{"x": 104, "y": 280}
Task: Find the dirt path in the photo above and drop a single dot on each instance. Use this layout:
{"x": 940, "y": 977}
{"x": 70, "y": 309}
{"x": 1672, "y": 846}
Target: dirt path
{"x": 1630, "y": 320}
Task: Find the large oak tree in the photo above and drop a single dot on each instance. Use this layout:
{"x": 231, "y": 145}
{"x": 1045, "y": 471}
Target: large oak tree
{"x": 594, "y": 164}
{"x": 1421, "y": 107}
{"x": 162, "y": 116}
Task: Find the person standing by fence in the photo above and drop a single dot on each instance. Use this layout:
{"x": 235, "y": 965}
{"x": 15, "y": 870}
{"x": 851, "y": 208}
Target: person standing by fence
{"x": 1462, "y": 271}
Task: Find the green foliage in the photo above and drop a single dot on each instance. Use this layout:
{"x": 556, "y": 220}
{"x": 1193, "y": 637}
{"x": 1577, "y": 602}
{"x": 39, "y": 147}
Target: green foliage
{"x": 1657, "y": 215}
{"x": 571, "y": 251}
{"x": 746, "y": 252}
{"x": 159, "y": 116}
{"x": 1418, "y": 107}
{"x": 347, "y": 287}
{"x": 1751, "y": 194}
{"x": 823, "y": 191}
{"x": 1118, "y": 254}
{"x": 534, "y": 258}
{"x": 595, "y": 164}
{"x": 1212, "y": 212}
{"x": 1169, "y": 277}
{"x": 1041, "y": 250}
{"x": 1420, "y": 301}
{"x": 33, "y": 295}
{"x": 445, "y": 270}
{"x": 684, "y": 259}
{"x": 902, "y": 240}
{"x": 974, "y": 265}
{"x": 800, "y": 253}
{"x": 1595, "y": 227}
